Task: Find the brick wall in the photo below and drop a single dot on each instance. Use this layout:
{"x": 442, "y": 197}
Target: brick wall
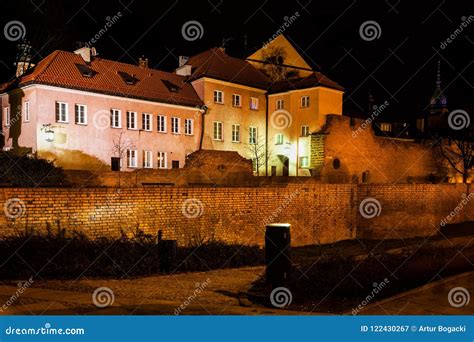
{"x": 319, "y": 213}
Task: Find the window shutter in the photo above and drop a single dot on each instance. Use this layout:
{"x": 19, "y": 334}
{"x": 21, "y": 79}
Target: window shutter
{"x": 76, "y": 107}
{"x": 57, "y": 112}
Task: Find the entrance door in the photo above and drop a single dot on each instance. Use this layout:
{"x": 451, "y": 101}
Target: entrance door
{"x": 274, "y": 171}
{"x": 175, "y": 164}
{"x": 286, "y": 167}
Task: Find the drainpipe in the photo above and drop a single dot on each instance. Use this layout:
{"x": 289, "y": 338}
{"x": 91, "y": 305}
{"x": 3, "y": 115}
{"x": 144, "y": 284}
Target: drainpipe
{"x": 203, "y": 111}
{"x": 266, "y": 135}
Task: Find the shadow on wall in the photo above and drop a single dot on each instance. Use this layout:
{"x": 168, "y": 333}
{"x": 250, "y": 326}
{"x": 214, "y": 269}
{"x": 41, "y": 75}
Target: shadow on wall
{"x": 74, "y": 160}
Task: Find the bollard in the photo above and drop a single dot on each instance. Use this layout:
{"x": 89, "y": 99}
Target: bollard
{"x": 277, "y": 254}
{"x": 167, "y": 250}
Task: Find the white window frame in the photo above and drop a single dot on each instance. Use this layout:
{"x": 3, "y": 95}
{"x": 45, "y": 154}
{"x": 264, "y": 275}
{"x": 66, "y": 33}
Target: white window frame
{"x": 115, "y": 114}
{"x": 216, "y": 96}
{"x": 253, "y": 135}
{"x": 279, "y": 139}
{"x": 175, "y": 123}
{"x": 161, "y": 123}
{"x": 280, "y": 104}
{"x": 304, "y": 165}
{"x": 304, "y": 130}
{"x": 236, "y": 100}
{"x": 131, "y": 114}
{"x": 132, "y": 159}
{"x": 236, "y": 133}
{"x": 26, "y": 117}
{"x": 147, "y": 159}
{"x": 162, "y": 159}
{"x": 188, "y": 126}
{"x": 254, "y": 103}
{"x": 66, "y": 112}
{"x": 305, "y": 101}
{"x": 7, "y": 114}
{"x": 76, "y": 106}
{"x": 218, "y": 128}
{"x": 149, "y": 122}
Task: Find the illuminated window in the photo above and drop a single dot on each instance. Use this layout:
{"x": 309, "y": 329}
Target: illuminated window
{"x": 62, "y": 112}
{"x": 175, "y": 125}
{"x": 147, "y": 159}
{"x": 146, "y": 122}
{"x": 161, "y": 123}
{"x": 252, "y": 135}
{"x": 131, "y": 158}
{"x": 304, "y": 131}
{"x": 131, "y": 120}
{"x": 218, "y": 96}
{"x": 115, "y": 118}
{"x": 235, "y": 133}
{"x": 26, "y": 116}
{"x": 304, "y": 162}
{"x": 217, "y": 130}
{"x": 253, "y": 103}
{"x": 236, "y": 100}
{"x": 254, "y": 164}
{"x": 80, "y": 114}
{"x": 162, "y": 160}
{"x": 6, "y": 112}
{"x": 278, "y": 139}
{"x": 386, "y": 127}
{"x": 280, "y": 104}
{"x": 304, "y": 101}
{"x": 188, "y": 126}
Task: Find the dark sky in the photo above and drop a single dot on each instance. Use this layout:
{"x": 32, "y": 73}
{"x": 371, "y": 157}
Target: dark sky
{"x": 399, "y": 66}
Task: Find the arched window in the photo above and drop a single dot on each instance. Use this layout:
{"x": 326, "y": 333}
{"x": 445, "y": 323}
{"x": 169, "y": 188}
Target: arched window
{"x": 336, "y": 163}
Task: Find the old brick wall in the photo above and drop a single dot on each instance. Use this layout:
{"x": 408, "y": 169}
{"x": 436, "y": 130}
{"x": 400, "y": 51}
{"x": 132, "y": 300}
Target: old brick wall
{"x": 319, "y": 213}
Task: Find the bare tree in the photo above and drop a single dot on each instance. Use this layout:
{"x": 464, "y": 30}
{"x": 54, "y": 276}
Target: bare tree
{"x": 459, "y": 153}
{"x": 120, "y": 146}
{"x": 257, "y": 151}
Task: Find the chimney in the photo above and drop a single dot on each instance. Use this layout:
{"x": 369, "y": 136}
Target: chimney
{"x": 86, "y": 53}
{"x": 143, "y": 62}
{"x": 183, "y": 60}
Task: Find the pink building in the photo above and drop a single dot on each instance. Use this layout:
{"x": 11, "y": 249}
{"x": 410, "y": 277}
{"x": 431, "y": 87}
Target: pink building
{"x": 86, "y": 112}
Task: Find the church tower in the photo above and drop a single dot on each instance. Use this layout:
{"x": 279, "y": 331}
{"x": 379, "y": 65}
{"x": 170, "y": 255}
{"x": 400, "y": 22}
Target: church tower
{"x": 438, "y": 102}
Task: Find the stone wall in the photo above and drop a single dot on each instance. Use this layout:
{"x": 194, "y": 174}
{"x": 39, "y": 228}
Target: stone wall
{"x": 319, "y": 213}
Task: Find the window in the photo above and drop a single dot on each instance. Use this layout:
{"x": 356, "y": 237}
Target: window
{"x": 336, "y": 163}
{"x": 218, "y": 96}
{"x": 162, "y": 160}
{"x": 161, "y": 123}
{"x": 304, "y": 101}
{"x": 304, "y": 131}
{"x": 254, "y": 165}
{"x": 175, "y": 125}
{"x": 304, "y": 162}
{"x": 252, "y": 135}
{"x": 386, "y": 127}
{"x": 131, "y": 120}
{"x": 236, "y": 100}
{"x": 6, "y": 111}
{"x": 280, "y": 104}
{"x": 131, "y": 158}
{"x": 217, "y": 130}
{"x": 61, "y": 112}
{"x": 278, "y": 139}
{"x": 146, "y": 122}
{"x": 26, "y": 116}
{"x": 253, "y": 103}
{"x": 235, "y": 133}
{"x": 147, "y": 159}
{"x": 115, "y": 118}
{"x": 188, "y": 126}
{"x": 80, "y": 114}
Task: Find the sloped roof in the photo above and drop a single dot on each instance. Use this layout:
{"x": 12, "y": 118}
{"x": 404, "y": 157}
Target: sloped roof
{"x": 314, "y": 80}
{"x": 65, "y": 69}
{"x": 215, "y": 63}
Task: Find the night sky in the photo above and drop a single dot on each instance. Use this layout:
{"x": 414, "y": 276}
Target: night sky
{"x": 399, "y": 66}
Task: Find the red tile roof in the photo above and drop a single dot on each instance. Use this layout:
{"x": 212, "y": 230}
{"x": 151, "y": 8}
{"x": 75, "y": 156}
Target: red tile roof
{"x": 61, "y": 69}
{"x": 314, "y": 80}
{"x": 215, "y": 63}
